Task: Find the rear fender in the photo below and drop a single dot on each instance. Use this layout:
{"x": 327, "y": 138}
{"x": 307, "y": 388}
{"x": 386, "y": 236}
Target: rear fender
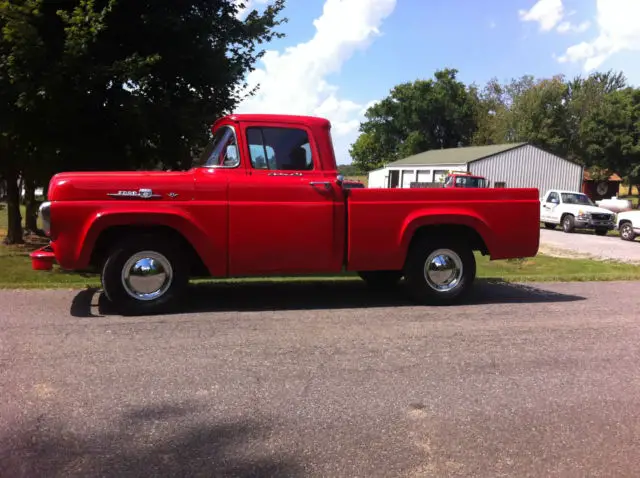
{"x": 430, "y": 217}
{"x": 181, "y": 223}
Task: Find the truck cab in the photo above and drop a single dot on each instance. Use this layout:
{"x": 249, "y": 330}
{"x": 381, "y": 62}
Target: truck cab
{"x": 574, "y": 210}
{"x": 266, "y": 199}
{"x": 464, "y": 180}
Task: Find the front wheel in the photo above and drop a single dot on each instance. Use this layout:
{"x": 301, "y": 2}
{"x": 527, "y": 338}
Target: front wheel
{"x": 626, "y": 232}
{"x": 144, "y": 275}
{"x": 439, "y": 272}
{"x": 568, "y": 223}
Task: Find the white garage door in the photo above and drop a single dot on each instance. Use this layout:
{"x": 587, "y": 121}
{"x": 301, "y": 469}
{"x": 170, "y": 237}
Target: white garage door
{"x": 439, "y": 175}
{"x": 407, "y": 178}
{"x": 424, "y": 176}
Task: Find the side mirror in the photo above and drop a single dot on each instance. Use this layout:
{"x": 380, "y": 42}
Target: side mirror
{"x": 340, "y": 179}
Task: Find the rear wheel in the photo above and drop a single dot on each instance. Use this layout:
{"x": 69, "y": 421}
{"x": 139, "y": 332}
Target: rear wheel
{"x": 381, "y": 279}
{"x": 602, "y": 232}
{"x": 144, "y": 275}
{"x": 440, "y": 271}
{"x": 626, "y": 232}
{"x": 549, "y": 225}
{"x": 568, "y": 223}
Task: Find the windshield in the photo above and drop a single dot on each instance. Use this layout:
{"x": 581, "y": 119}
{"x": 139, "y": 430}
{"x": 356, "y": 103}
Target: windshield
{"x": 576, "y": 198}
{"x": 222, "y": 151}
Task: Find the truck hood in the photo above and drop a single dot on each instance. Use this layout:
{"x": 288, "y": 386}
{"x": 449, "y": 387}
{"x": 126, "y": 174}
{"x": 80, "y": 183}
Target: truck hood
{"x": 100, "y": 186}
{"x": 576, "y": 208}
{"x": 630, "y": 215}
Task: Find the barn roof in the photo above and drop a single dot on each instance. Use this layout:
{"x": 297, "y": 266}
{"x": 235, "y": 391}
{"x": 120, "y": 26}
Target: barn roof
{"x": 462, "y": 155}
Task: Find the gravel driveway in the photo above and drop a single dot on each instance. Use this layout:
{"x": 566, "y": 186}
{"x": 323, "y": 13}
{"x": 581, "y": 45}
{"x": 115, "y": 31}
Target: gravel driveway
{"x": 578, "y": 244}
{"x": 323, "y": 380}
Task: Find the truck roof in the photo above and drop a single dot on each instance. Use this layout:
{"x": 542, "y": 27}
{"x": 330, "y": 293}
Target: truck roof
{"x": 277, "y": 118}
{"x": 563, "y": 191}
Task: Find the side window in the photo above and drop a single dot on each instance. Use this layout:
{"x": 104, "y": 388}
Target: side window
{"x": 279, "y": 149}
{"x": 553, "y": 197}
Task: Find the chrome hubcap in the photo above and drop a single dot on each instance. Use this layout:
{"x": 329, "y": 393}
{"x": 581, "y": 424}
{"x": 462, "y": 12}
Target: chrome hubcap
{"x": 147, "y": 275}
{"x": 443, "y": 270}
{"x": 626, "y": 231}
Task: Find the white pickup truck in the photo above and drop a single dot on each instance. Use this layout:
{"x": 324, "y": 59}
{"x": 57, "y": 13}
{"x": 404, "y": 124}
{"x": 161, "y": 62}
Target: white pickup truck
{"x": 574, "y": 210}
{"x": 629, "y": 225}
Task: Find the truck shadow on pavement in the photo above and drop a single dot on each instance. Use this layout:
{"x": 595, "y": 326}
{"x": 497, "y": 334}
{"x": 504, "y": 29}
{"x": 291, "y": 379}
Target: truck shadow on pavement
{"x": 318, "y": 295}
{"x": 143, "y": 442}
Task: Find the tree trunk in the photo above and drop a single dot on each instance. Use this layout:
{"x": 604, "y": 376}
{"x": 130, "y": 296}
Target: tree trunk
{"x": 31, "y": 214}
{"x": 14, "y": 234}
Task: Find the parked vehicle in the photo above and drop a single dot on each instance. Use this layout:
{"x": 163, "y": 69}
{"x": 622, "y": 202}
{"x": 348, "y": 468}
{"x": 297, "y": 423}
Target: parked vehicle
{"x": 351, "y": 183}
{"x": 464, "y": 180}
{"x": 267, "y": 200}
{"x": 574, "y": 210}
{"x": 628, "y": 224}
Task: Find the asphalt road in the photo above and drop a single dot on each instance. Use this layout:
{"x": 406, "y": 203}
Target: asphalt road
{"x": 589, "y": 245}
{"x": 321, "y": 380}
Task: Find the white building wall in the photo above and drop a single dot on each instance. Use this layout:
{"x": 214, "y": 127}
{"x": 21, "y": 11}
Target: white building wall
{"x": 377, "y": 178}
{"x": 529, "y": 167}
{"x": 408, "y": 174}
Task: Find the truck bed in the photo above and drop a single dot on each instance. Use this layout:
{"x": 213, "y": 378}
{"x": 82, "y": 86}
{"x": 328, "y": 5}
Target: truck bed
{"x": 381, "y": 222}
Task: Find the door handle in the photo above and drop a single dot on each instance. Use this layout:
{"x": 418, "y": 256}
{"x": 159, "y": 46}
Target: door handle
{"x": 326, "y": 184}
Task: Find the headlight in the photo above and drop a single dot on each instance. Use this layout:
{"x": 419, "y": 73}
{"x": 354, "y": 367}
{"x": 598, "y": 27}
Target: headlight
{"x": 45, "y": 215}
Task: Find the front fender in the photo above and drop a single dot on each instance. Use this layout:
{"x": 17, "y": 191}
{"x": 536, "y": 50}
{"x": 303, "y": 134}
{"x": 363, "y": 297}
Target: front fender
{"x": 431, "y": 217}
{"x": 181, "y": 222}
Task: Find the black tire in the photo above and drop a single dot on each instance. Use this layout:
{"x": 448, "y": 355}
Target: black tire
{"x": 548, "y": 225}
{"x": 164, "y": 250}
{"x": 568, "y": 223}
{"x": 626, "y": 232}
{"x": 419, "y": 285}
{"x": 601, "y": 232}
{"x": 381, "y": 279}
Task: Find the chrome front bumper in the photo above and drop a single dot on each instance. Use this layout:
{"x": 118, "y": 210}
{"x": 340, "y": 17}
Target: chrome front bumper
{"x": 45, "y": 216}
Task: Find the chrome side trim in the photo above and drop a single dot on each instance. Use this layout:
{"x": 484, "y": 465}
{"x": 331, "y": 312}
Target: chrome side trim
{"x": 139, "y": 194}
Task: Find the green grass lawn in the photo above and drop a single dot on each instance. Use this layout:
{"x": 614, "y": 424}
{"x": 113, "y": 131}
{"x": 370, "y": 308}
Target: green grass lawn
{"x": 16, "y": 272}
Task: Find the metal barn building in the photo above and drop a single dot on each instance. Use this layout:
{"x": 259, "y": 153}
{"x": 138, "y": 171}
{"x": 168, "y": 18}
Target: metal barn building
{"x": 514, "y": 165}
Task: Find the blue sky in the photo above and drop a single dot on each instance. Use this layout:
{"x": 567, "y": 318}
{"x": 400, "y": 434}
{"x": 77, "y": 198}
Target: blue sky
{"x": 359, "y": 49}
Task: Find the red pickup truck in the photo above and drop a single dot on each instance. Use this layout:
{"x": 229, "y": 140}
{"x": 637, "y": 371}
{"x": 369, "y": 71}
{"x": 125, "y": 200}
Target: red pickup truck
{"x": 266, "y": 199}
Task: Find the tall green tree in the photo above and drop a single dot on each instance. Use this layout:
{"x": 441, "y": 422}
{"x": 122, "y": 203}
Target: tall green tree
{"x": 611, "y": 134}
{"x": 114, "y": 84}
{"x": 415, "y": 117}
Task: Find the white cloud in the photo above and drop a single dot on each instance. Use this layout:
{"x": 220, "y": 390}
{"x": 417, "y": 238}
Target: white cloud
{"x": 293, "y": 81}
{"x": 566, "y": 27}
{"x": 548, "y": 13}
{"x": 619, "y": 31}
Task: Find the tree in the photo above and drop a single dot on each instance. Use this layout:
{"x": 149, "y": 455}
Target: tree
{"x": 112, "y": 84}
{"x": 611, "y": 134}
{"x": 416, "y": 117}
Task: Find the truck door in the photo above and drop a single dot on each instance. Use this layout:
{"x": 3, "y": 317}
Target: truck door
{"x": 549, "y": 208}
{"x": 282, "y": 214}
